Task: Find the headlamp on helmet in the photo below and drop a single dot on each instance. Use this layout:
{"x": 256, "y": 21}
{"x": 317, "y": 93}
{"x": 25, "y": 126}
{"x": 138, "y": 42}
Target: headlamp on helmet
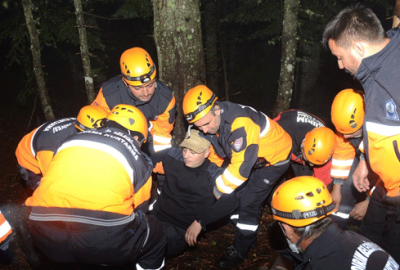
{"x": 197, "y": 102}
{"x": 302, "y": 201}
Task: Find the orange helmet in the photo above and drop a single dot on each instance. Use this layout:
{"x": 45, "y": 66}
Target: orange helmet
{"x": 89, "y": 117}
{"x": 319, "y": 145}
{"x": 348, "y": 111}
{"x": 301, "y": 201}
{"x": 130, "y": 118}
{"x": 197, "y": 102}
{"x": 137, "y": 67}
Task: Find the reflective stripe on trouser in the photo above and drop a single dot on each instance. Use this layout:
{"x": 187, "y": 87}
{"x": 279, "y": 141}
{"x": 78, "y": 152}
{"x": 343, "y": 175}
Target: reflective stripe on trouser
{"x": 251, "y": 202}
{"x": 139, "y": 241}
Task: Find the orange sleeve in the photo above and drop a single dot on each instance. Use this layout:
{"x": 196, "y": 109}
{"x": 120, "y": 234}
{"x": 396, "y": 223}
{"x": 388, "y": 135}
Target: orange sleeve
{"x": 44, "y": 158}
{"x": 232, "y": 178}
{"x": 342, "y": 158}
{"x": 24, "y": 153}
{"x": 161, "y": 128}
{"x": 5, "y": 228}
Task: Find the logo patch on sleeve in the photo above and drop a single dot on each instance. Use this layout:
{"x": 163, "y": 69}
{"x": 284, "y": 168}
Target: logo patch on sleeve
{"x": 237, "y": 144}
{"x": 391, "y": 110}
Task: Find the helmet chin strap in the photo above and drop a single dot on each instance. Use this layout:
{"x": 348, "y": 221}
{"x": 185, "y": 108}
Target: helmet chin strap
{"x": 307, "y": 229}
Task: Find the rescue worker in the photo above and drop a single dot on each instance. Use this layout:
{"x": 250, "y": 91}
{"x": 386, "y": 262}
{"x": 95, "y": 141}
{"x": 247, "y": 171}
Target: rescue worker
{"x": 347, "y": 114}
{"x": 186, "y": 204}
{"x": 356, "y": 37}
{"x": 91, "y": 205}
{"x": 6, "y": 241}
{"x": 138, "y": 86}
{"x": 312, "y": 144}
{"x": 302, "y": 206}
{"x": 259, "y": 152}
{"x": 36, "y": 149}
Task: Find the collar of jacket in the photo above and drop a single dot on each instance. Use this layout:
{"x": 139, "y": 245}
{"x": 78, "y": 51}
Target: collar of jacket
{"x": 373, "y": 63}
{"x": 321, "y": 244}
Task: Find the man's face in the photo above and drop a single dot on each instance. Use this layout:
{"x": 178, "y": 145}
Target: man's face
{"x": 193, "y": 159}
{"x": 347, "y": 58}
{"x": 143, "y": 92}
{"x": 210, "y": 122}
{"x": 355, "y": 134}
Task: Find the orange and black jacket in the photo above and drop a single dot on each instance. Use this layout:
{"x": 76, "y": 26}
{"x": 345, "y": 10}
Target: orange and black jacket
{"x": 36, "y": 149}
{"x": 159, "y": 111}
{"x": 343, "y": 157}
{"x": 244, "y": 135}
{"x": 379, "y": 76}
{"x": 91, "y": 172}
{"x": 297, "y": 124}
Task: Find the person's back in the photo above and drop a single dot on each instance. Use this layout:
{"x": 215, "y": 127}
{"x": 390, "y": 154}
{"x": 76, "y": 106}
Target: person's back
{"x": 95, "y": 196}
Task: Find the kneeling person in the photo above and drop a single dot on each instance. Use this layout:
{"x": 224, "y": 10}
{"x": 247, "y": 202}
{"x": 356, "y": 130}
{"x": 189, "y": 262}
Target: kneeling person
{"x": 186, "y": 203}
{"x": 90, "y": 207}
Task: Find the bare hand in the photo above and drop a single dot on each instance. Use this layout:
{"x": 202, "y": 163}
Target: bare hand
{"x": 360, "y": 179}
{"x": 192, "y": 232}
{"x": 336, "y": 195}
{"x": 359, "y": 210}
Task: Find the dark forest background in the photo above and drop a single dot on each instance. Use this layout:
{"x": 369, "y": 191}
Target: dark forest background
{"x": 249, "y": 51}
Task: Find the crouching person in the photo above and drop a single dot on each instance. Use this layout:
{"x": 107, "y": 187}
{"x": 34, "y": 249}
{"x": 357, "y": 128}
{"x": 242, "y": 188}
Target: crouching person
{"x": 302, "y": 206}
{"x": 91, "y": 205}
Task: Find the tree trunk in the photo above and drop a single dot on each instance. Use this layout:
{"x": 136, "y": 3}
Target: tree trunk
{"x": 210, "y": 18}
{"x": 84, "y": 52}
{"x": 396, "y": 14}
{"x": 177, "y": 33}
{"x": 37, "y": 62}
{"x": 288, "y": 60}
{"x": 308, "y": 76}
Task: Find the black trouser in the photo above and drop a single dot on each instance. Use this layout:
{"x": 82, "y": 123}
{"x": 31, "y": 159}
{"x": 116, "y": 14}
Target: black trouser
{"x": 380, "y": 224}
{"x": 251, "y": 202}
{"x": 176, "y": 243}
{"x": 141, "y": 241}
{"x": 350, "y": 197}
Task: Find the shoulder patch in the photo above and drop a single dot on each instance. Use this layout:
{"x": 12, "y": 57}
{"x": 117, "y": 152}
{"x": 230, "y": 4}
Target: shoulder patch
{"x": 238, "y": 140}
{"x": 391, "y": 110}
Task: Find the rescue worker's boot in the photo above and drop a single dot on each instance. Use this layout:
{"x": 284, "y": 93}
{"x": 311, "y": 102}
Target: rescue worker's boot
{"x": 231, "y": 259}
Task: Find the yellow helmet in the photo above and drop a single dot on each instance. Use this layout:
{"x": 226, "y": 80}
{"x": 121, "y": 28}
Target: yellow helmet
{"x": 89, "y": 117}
{"x": 137, "y": 67}
{"x": 348, "y": 111}
{"x": 301, "y": 201}
{"x": 130, "y": 118}
{"x": 319, "y": 145}
{"x": 197, "y": 102}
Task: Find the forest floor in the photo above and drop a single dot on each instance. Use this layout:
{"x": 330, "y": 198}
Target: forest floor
{"x": 212, "y": 245}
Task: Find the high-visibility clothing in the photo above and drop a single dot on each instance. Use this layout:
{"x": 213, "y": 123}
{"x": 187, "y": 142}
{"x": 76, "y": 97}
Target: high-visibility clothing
{"x": 159, "y": 111}
{"x": 96, "y": 170}
{"x": 378, "y": 75}
{"x": 36, "y": 149}
{"x": 297, "y": 124}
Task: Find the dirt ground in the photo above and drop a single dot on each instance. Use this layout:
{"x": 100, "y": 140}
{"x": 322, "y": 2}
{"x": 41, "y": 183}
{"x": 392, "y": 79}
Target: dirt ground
{"x": 13, "y": 126}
